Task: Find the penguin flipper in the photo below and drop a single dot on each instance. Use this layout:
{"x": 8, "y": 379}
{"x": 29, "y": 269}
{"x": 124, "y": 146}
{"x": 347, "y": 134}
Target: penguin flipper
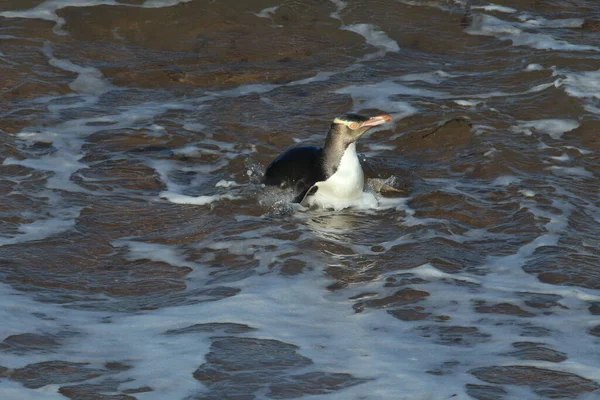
{"x": 302, "y": 198}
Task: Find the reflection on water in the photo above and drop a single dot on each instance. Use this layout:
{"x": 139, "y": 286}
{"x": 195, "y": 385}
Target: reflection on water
{"x": 335, "y": 226}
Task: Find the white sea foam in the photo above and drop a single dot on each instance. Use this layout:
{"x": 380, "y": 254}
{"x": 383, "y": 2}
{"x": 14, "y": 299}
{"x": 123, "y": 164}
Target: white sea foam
{"x": 429, "y": 271}
{"x": 194, "y": 126}
{"x": 495, "y": 7}
{"x": 468, "y": 103}
{"x": 435, "y": 77}
{"x": 540, "y": 22}
{"x": 146, "y": 348}
{"x": 487, "y": 25}
{"x": 48, "y": 9}
{"x": 63, "y": 163}
{"x": 13, "y": 390}
{"x": 319, "y": 77}
{"x": 581, "y": 151}
{"x": 506, "y": 180}
{"x": 179, "y": 193}
{"x": 534, "y": 67}
{"x": 89, "y": 79}
{"x": 553, "y": 127}
{"x": 321, "y": 323}
{"x": 592, "y": 109}
{"x": 162, "y": 253}
{"x": 250, "y": 88}
{"x": 584, "y": 85}
{"x": 259, "y": 88}
{"x": 299, "y": 310}
{"x": 527, "y": 192}
{"x": 571, "y": 171}
{"x": 162, "y": 3}
{"x": 226, "y": 184}
{"x": 374, "y": 36}
{"x": 366, "y": 201}
{"x": 68, "y": 137}
{"x": 60, "y": 220}
{"x": 380, "y": 147}
{"x": 378, "y": 96}
{"x": 490, "y": 152}
{"x": 266, "y": 12}
{"x": 562, "y": 158}
{"x": 195, "y": 200}
{"x": 479, "y": 129}
{"x": 339, "y": 6}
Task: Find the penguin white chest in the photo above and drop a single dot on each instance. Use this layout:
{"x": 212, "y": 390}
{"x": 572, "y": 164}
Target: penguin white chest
{"x": 346, "y": 183}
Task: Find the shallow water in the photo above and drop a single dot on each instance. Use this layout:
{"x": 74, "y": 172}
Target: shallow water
{"x": 141, "y": 258}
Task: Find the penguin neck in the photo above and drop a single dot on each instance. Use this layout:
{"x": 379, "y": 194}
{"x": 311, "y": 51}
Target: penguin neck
{"x": 345, "y": 184}
{"x": 343, "y": 164}
{"x": 334, "y": 150}
{"x": 349, "y": 163}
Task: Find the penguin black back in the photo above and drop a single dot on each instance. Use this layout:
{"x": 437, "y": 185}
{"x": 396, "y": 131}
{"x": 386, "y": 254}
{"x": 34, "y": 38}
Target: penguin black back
{"x": 296, "y": 168}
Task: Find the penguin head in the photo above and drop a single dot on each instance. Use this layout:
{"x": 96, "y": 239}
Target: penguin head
{"x": 349, "y": 127}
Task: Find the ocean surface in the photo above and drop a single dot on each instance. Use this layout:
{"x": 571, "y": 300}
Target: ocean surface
{"x": 142, "y": 258}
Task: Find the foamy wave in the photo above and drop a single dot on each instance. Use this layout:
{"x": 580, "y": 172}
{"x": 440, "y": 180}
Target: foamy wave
{"x": 435, "y": 77}
{"x": 540, "y": 22}
{"x": 378, "y": 96}
{"x": 468, "y": 103}
{"x": 162, "y": 3}
{"x": 571, "y": 171}
{"x": 89, "y": 79}
{"x": 367, "y": 201}
{"x": 196, "y": 200}
{"x": 584, "y": 85}
{"x": 226, "y": 184}
{"x": 266, "y": 12}
{"x": 487, "y": 25}
{"x": 339, "y": 5}
{"x": 495, "y": 7}
{"x": 533, "y": 67}
{"x": 374, "y": 36}
{"x": 48, "y": 9}
{"x": 553, "y": 127}
{"x": 260, "y": 88}
{"x": 61, "y": 221}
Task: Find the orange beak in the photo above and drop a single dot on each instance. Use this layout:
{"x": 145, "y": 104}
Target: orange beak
{"x": 378, "y": 120}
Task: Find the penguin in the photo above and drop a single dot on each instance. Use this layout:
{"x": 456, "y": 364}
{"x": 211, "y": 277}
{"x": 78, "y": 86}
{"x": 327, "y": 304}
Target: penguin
{"x": 325, "y": 176}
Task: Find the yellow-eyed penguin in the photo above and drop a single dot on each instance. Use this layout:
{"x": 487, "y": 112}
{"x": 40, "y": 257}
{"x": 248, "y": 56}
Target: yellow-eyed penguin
{"x": 327, "y": 176}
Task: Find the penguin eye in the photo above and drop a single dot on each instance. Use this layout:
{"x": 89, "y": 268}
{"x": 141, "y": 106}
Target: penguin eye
{"x": 353, "y": 125}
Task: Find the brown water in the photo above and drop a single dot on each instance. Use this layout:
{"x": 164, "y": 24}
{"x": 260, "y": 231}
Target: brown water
{"x": 141, "y": 258}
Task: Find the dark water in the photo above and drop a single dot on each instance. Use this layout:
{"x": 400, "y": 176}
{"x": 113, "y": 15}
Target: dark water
{"x": 141, "y": 258}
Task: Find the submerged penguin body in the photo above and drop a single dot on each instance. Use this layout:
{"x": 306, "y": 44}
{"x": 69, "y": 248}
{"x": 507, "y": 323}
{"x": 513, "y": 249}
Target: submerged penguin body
{"x": 329, "y": 175}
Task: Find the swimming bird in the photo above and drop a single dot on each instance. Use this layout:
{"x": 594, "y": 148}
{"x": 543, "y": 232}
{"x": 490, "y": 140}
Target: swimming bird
{"x": 328, "y": 175}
